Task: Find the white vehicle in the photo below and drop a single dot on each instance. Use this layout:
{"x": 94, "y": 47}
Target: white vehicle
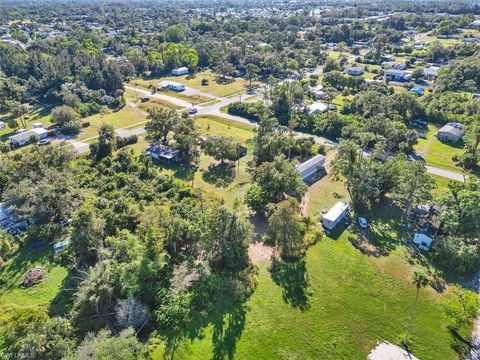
{"x": 362, "y": 222}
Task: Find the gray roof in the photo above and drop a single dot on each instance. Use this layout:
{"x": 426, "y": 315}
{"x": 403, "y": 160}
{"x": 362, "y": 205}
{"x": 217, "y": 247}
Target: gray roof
{"x": 456, "y": 129}
{"x": 314, "y": 161}
{"x": 26, "y": 135}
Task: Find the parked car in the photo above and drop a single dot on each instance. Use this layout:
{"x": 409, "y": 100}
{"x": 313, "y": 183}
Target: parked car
{"x": 362, "y": 222}
{"x": 192, "y": 111}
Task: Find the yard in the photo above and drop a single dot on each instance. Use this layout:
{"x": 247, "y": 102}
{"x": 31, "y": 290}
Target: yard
{"x": 195, "y": 82}
{"x": 37, "y": 114}
{"x": 224, "y": 183}
{"x": 437, "y": 153}
{"x": 39, "y": 295}
{"x": 334, "y": 305}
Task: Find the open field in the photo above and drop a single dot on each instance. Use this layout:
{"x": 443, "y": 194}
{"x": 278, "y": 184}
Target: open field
{"x": 334, "y": 305}
{"x": 42, "y": 294}
{"x": 118, "y": 119}
{"x": 437, "y": 153}
{"x": 195, "y": 82}
{"x": 37, "y": 114}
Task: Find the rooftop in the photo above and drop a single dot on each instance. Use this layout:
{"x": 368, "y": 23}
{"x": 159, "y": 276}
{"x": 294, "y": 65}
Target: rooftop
{"x": 310, "y": 162}
{"x": 27, "y": 134}
{"x": 337, "y": 210}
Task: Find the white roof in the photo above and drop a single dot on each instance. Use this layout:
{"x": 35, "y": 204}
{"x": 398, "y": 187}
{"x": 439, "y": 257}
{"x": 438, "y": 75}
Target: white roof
{"x": 336, "y": 211}
{"x": 387, "y": 351}
{"x": 314, "y": 161}
{"x": 453, "y": 128}
{"x": 166, "y": 83}
{"x": 317, "y": 107}
{"x": 183, "y": 68}
{"x": 28, "y": 134}
{"x": 418, "y": 238}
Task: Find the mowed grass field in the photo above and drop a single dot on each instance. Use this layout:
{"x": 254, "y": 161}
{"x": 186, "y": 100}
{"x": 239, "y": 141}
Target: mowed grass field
{"x": 11, "y": 293}
{"x": 437, "y": 153}
{"x": 195, "y": 82}
{"x": 335, "y": 305}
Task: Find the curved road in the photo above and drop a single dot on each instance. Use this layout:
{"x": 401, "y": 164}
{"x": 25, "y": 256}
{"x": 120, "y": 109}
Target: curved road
{"x": 220, "y": 102}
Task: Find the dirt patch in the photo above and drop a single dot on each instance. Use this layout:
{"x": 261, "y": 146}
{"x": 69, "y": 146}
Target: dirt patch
{"x": 259, "y": 253}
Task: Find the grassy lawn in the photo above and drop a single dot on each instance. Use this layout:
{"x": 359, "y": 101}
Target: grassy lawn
{"x": 442, "y": 186}
{"x": 42, "y": 294}
{"x": 37, "y": 114}
{"x": 337, "y": 303}
{"x": 118, "y": 119}
{"x": 323, "y": 195}
{"x": 213, "y": 87}
{"x": 437, "y": 153}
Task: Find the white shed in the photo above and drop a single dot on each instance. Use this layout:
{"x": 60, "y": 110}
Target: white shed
{"x": 422, "y": 241}
{"x": 337, "y": 213}
{"x": 180, "y": 71}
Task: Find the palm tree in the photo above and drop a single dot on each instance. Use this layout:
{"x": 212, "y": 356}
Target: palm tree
{"x": 419, "y": 280}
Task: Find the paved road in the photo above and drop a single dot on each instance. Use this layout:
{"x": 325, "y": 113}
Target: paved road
{"x": 446, "y": 174}
{"x": 215, "y": 109}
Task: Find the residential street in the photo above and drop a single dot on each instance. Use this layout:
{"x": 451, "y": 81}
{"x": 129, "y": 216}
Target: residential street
{"x": 215, "y": 110}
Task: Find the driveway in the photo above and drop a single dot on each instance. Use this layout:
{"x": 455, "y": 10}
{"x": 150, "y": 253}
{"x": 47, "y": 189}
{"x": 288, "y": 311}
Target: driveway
{"x": 446, "y": 174}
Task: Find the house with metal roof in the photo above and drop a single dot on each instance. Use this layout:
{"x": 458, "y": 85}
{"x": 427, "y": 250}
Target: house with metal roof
{"x": 23, "y": 138}
{"x": 170, "y": 85}
{"x": 335, "y": 215}
{"x": 311, "y": 166}
{"x": 451, "y": 131}
{"x": 164, "y": 153}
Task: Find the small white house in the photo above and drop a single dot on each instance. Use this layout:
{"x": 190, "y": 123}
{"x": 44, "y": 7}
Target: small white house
{"x": 23, "y": 138}
{"x": 311, "y": 166}
{"x": 171, "y": 85}
{"x": 451, "y": 131}
{"x": 2, "y": 125}
{"x": 180, "y": 71}
{"x": 422, "y": 241}
{"x": 354, "y": 70}
{"x": 337, "y": 213}
{"x": 317, "y": 108}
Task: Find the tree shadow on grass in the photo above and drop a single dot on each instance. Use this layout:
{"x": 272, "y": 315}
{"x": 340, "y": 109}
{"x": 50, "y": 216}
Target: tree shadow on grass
{"x": 220, "y": 175}
{"x": 292, "y": 277}
{"x": 226, "y": 315}
{"x": 63, "y": 301}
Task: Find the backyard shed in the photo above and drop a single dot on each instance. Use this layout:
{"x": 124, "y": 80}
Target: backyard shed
{"x": 180, "y": 71}
{"x": 337, "y": 213}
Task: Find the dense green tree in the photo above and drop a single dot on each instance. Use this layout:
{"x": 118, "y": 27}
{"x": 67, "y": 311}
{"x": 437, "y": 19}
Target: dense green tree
{"x": 228, "y": 236}
{"x": 287, "y": 229}
{"x": 162, "y": 122}
{"x": 221, "y": 148}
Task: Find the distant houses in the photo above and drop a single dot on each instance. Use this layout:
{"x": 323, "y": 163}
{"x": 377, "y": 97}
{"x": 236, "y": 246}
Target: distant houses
{"x": 451, "y": 131}
{"x": 180, "y": 71}
{"x": 23, "y": 138}
{"x": 170, "y": 85}
{"x": 311, "y": 166}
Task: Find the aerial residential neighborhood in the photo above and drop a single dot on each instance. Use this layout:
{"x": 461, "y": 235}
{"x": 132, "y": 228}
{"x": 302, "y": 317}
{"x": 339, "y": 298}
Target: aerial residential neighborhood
{"x": 240, "y": 180}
